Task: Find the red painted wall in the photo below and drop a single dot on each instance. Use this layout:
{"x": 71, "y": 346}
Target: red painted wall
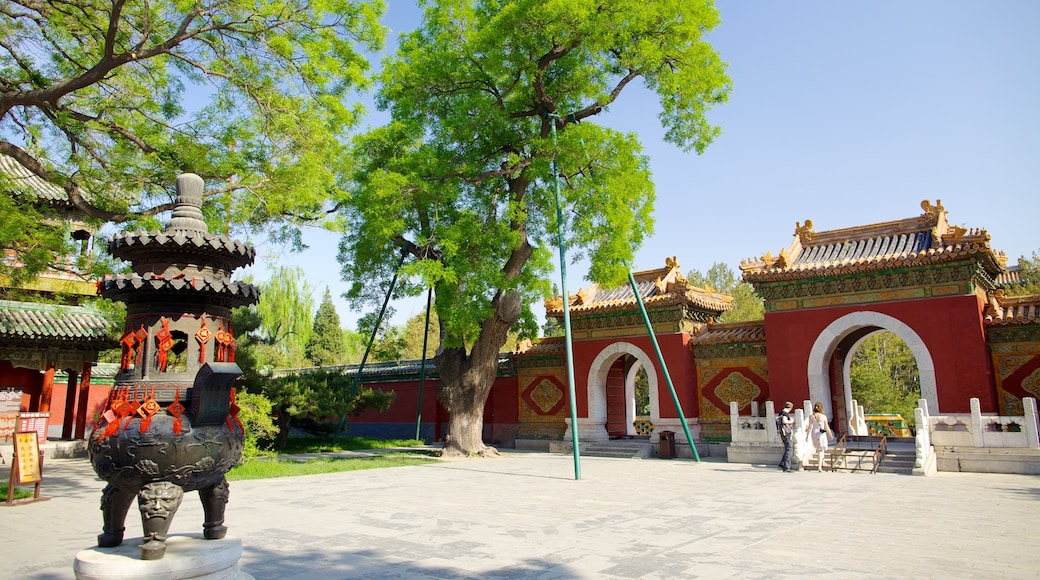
{"x": 501, "y": 413}
{"x": 951, "y": 328}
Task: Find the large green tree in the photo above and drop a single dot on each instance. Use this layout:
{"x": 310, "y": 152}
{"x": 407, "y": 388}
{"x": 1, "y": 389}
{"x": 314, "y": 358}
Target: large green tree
{"x": 884, "y": 376}
{"x": 326, "y": 345}
{"x": 746, "y": 304}
{"x": 460, "y": 179}
{"x": 1028, "y": 275}
{"x": 110, "y": 100}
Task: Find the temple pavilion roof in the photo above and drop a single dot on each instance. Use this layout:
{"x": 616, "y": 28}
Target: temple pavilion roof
{"x": 918, "y": 241}
{"x": 27, "y": 321}
{"x": 661, "y": 287}
{"x": 23, "y": 181}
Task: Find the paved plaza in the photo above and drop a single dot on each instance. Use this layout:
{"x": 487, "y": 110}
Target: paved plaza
{"x": 524, "y": 516}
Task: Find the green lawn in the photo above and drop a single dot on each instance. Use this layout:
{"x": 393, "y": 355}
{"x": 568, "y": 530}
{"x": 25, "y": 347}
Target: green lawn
{"x": 271, "y": 465}
{"x": 265, "y": 468}
{"x": 19, "y": 492}
{"x": 322, "y": 445}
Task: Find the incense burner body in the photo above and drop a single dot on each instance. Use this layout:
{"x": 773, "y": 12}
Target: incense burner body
{"x": 171, "y": 422}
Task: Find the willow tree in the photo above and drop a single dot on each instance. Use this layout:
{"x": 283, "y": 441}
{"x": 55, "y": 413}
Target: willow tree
{"x": 109, "y": 100}
{"x": 482, "y": 97}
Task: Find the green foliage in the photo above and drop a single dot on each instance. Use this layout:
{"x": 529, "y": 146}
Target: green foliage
{"x": 413, "y": 336}
{"x": 109, "y": 101}
{"x": 326, "y": 346}
{"x": 257, "y": 421}
{"x": 280, "y": 324}
{"x": 320, "y": 394}
{"x": 642, "y": 394}
{"x": 265, "y": 469}
{"x": 1028, "y": 275}
{"x": 484, "y": 96}
{"x": 721, "y": 278}
{"x": 884, "y": 376}
{"x": 461, "y": 175}
{"x": 389, "y": 342}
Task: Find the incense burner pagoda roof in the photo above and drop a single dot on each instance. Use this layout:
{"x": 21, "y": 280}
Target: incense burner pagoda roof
{"x": 923, "y": 240}
{"x": 28, "y": 321}
{"x": 730, "y": 333}
{"x": 659, "y": 288}
{"x": 184, "y": 261}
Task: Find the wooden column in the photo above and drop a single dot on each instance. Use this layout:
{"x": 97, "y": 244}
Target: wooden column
{"x": 47, "y": 391}
{"x": 84, "y": 400}
{"x": 70, "y": 406}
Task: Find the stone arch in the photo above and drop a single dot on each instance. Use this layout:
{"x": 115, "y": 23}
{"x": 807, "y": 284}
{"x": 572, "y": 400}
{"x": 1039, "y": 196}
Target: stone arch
{"x": 823, "y": 348}
{"x": 597, "y": 398}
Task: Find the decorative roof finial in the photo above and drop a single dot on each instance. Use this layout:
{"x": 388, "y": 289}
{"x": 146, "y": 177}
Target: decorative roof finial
{"x": 805, "y": 233}
{"x": 933, "y": 211}
{"x": 187, "y": 216}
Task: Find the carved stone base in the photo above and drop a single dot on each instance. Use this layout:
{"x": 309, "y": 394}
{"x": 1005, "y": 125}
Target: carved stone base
{"x": 187, "y": 556}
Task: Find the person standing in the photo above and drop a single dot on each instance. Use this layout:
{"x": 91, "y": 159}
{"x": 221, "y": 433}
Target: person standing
{"x": 820, "y": 433}
{"x": 785, "y": 428}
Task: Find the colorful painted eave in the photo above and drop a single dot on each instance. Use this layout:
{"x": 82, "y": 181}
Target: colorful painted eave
{"x": 919, "y": 241}
{"x": 659, "y": 288}
{"x": 729, "y": 333}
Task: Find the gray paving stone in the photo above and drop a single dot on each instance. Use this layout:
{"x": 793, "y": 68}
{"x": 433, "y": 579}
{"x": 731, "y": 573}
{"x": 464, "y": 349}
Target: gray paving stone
{"x": 524, "y": 516}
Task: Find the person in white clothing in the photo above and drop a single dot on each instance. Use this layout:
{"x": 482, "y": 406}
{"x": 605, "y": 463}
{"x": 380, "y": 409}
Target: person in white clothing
{"x": 820, "y": 433}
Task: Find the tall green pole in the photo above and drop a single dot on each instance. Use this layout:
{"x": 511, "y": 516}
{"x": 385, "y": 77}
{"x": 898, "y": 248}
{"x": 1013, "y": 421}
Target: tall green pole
{"x": 566, "y": 311}
{"x": 371, "y": 339}
{"x": 664, "y": 367}
{"x": 422, "y": 366}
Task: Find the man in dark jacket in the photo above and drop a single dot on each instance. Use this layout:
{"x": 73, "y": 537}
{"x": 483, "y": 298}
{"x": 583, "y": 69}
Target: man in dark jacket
{"x": 785, "y": 427}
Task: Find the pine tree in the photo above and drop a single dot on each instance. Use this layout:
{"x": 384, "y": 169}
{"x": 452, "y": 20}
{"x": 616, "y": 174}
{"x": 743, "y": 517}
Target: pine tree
{"x": 326, "y": 346}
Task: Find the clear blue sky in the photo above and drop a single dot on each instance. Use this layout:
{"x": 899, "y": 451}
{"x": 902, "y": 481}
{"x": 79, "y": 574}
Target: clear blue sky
{"x": 845, "y": 113}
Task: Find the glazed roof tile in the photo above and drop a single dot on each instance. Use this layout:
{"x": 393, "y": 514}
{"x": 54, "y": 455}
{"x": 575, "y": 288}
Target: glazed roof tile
{"x": 1014, "y": 310}
{"x": 546, "y": 346}
{"x": 27, "y": 182}
{"x": 730, "y": 332}
{"x": 659, "y": 287}
{"x": 926, "y": 239}
{"x": 30, "y": 321}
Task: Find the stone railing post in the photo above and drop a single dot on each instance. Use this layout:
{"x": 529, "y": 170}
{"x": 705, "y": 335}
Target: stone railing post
{"x": 1029, "y": 410}
{"x": 923, "y": 439}
{"x": 734, "y": 423}
{"x": 976, "y": 423}
{"x": 773, "y": 436}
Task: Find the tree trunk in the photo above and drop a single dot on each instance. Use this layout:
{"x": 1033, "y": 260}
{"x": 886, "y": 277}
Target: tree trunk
{"x": 284, "y": 425}
{"x": 466, "y": 380}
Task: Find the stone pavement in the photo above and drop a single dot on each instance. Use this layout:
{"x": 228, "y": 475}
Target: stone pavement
{"x": 525, "y": 516}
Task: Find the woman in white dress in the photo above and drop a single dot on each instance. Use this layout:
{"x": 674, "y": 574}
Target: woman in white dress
{"x": 820, "y": 433}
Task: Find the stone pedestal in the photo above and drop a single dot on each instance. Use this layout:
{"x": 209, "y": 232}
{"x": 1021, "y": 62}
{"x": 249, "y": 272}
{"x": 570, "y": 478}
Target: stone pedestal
{"x": 187, "y": 556}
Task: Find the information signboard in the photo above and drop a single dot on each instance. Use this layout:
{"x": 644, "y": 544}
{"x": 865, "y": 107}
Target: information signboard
{"x": 27, "y": 456}
{"x": 34, "y": 422}
{"x": 10, "y": 404}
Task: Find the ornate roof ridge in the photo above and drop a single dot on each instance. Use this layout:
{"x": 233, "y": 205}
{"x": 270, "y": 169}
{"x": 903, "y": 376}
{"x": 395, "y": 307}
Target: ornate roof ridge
{"x": 657, "y": 287}
{"x": 729, "y": 332}
{"x": 925, "y": 239}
